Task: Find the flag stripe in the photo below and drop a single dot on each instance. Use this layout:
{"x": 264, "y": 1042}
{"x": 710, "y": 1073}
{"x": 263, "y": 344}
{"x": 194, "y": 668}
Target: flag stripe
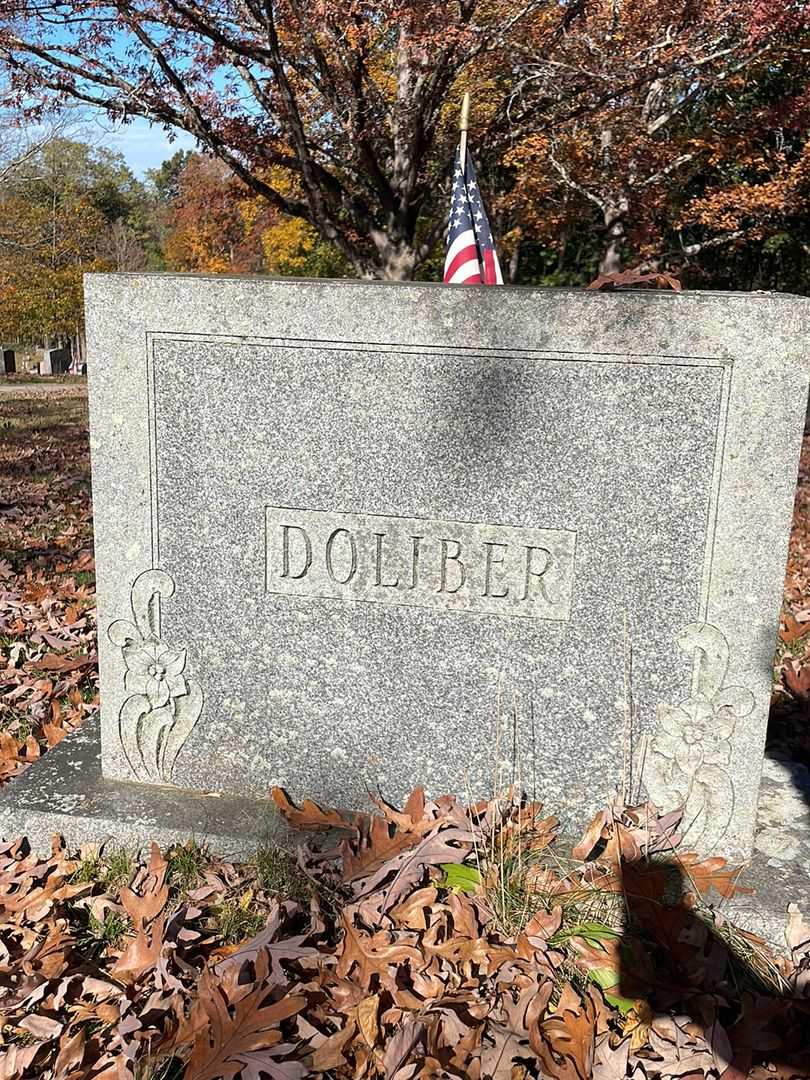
{"x": 492, "y": 269}
{"x": 461, "y": 241}
{"x": 463, "y": 256}
{"x": 469, "y": 272}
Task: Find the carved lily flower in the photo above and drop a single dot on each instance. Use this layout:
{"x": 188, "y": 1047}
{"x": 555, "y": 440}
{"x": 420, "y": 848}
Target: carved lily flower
{"x": 154, "y": 671}
{"x": 695, "y": 733}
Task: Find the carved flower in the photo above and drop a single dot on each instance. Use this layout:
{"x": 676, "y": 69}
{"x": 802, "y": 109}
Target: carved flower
{"x": 696, "y": 732}
{"x": 154, "y": 671}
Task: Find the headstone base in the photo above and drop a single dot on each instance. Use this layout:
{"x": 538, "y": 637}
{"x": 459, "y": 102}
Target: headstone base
{"x": 780, "y": 869}
{"x": 765, "y": 913}
{"x": 65, "y": 794}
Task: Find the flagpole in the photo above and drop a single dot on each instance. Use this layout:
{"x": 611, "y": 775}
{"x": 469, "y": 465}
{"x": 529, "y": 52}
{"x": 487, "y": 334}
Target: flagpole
{"x": 463, "y": 127}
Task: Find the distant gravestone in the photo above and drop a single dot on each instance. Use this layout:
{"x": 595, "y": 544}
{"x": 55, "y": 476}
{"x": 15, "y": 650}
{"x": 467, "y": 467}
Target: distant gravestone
{"x": 358, "y": 536}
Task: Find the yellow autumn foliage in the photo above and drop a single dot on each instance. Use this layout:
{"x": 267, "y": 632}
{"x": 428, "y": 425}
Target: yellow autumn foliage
{"x": 287, "y": 244}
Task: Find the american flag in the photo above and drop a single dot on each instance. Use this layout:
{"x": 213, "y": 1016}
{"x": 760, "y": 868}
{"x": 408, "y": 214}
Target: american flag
{"x": 471, "y": 256}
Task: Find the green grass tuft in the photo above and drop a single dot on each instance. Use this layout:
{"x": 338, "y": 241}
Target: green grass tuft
{"x": 89, "y": 870}
{"x": 235, "y": 921}
{"x": 98, "y": 935}
{"x": 118, "y": 868}
{"x": 186, "y": 864}
{"x": 277, "y": 873}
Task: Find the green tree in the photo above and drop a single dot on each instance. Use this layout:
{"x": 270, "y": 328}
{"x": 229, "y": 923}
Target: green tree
{"x": 73, "y": 208}
{"x": 164, "y": 182}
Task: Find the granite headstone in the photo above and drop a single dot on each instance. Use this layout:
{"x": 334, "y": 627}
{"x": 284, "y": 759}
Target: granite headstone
{"x": 356, "y": 536}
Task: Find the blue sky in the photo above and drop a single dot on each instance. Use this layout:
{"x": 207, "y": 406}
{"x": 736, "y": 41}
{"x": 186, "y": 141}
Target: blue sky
{"x": 145, "y": 146}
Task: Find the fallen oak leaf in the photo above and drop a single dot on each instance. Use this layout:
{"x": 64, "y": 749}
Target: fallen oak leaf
{"x": 53, "y": 734}
{"x": 403, "y": 1044}
{"x": 410, "y": 912}
{"x": 143, "y": 908}
{"x": 330, "y": 1054}
{"x": 625, "y": 278}
{"x": 16, "y": 1059}
{"x": 367, "y": 1011}
{"x": 790, "y": 630}
{"x": 71, "y": 1052}
{"x": 54, "y": 662}
{"x": 375, "y": 848}
{"x": 412, "y": 816}
{"x": 310, "y": 816}
{"x": 539, "y": 834}
{"x": 544, "y": 924}
{"x": 270, "y": 941}
{"x": 565, "y": 1041}
{"x": 609, "y": 1060}
{"x": 714, "y": 873}
{"x": 140, "y": 955}
{"x": 797, "y": 931}
{"x": 373, "y": 954}
{"x": 497, "y": 1054}
{"x": 265, "y": 1064}
{"x": 796, "y": 677}
{"x": 720, "y": 1046}
{"x": 227, "y": 1045}
{"x": 594, "y": 837}
{"x": 41, "y": 1027}
{"x": 637, "y": 1025}
{"x": 409, "y": 866}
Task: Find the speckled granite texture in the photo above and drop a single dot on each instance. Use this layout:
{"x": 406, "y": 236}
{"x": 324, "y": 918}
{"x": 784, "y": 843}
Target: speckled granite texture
{"x": 626, "y": 461}
{"x": 66, "y": 794}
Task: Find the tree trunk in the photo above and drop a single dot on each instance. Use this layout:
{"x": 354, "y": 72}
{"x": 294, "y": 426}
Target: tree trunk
{"x": 615, "y": 217}
{"x": 514, "y": 263}
{"x": 397, "y": 260}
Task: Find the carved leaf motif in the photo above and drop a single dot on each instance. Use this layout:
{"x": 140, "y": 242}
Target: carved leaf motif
{"x": 129, "y": 718}
{"x": 164, "y": 706}
{"x": 691, "y": 752}
{"x": 188, "y": 711}
{"x": 710, "y": 651}
{"x": 145, "y": 599}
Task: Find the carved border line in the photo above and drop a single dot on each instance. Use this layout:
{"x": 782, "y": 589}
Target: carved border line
{"x": 153, "y": 730}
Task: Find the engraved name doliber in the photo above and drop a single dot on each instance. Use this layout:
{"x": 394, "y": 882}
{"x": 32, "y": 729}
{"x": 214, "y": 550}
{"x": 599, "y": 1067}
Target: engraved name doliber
{"x": 417, "y": 562}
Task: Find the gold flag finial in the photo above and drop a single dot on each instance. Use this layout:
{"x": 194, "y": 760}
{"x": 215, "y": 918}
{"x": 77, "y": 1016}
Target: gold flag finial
{"x": 463, "y": 127}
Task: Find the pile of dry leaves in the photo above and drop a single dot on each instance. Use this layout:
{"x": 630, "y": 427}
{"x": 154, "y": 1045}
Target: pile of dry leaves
{"x": 48, "y": 664}
{"x": 439, "y": 941}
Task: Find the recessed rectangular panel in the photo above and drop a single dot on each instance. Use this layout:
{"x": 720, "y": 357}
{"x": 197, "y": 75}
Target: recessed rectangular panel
{"x": 594, "y": 480}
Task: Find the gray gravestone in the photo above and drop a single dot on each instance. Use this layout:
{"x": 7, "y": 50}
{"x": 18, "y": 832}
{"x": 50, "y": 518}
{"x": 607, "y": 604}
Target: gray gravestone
{"x": 354, "y": 536}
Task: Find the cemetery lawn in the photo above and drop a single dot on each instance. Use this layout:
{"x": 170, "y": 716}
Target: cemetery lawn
{"x": 431, "y": 942}
{"x": 48, "y": 661}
